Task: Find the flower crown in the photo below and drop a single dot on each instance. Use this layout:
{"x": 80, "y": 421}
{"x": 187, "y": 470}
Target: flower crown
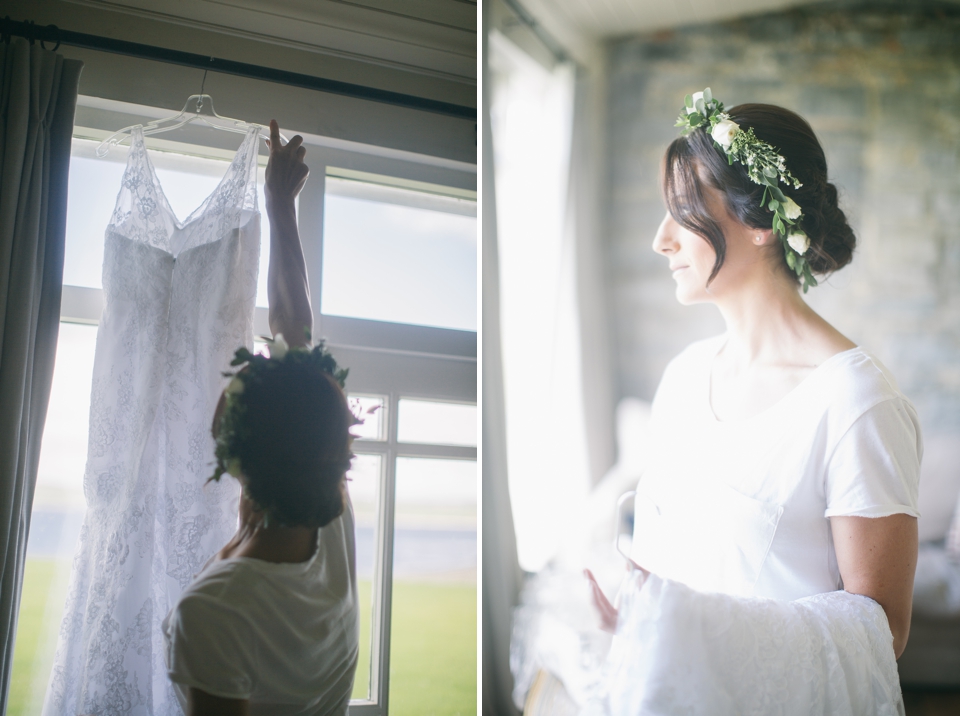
{"x": 764, "y": 167}
{"x": 232, "y": 426}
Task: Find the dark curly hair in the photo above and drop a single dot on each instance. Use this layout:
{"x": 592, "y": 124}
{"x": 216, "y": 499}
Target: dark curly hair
{"x": 288, "y": 427}
{"x": 831, "y": 239}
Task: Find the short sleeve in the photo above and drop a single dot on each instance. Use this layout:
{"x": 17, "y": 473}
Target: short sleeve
{"x": 874, "y": 470}
{"x": 210, "y": 648}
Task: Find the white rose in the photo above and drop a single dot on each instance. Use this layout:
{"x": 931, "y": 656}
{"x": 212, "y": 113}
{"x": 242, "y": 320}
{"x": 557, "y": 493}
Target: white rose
{"x": 279, "y": 347}
{"x": 696, "y": 96}
{"x": 724, "y": 131}
{"x": 799, "y": 241}
{"x": 235, "y": 386}
{"x": 791, "y": 209}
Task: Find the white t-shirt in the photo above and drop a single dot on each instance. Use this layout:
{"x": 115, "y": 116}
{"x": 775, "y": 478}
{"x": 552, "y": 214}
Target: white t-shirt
{"x": 741, "y": 507}
{"x": 283, "y": 635}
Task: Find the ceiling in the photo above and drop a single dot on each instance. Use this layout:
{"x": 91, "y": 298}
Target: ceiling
{"x": 580, "y": 25}
{"x": 432, "y": 37}
{"x": 605, "y": 18}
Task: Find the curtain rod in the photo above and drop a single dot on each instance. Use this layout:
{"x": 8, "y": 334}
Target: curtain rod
{"x": 51, "y": 33}
{"x": 549, "y": 42}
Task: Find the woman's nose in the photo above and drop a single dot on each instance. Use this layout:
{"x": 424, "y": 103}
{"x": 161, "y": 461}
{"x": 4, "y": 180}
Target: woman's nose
{"x": 665, "y": 241}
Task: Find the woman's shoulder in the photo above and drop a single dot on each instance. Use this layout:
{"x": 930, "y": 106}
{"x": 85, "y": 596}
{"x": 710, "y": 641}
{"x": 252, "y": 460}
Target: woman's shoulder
{"x": 221, "y": 580}
{"x": 858, "y": 378}
{"x": 855, "y": 384}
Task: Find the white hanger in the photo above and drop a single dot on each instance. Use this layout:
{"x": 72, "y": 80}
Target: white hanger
{"x": 185, "y": 116}
{"x": 624, "y": 499}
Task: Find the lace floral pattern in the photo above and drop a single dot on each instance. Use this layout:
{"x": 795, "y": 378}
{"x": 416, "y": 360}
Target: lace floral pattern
{"x": 679, "y": 651}
{"x": 179, "y": 299}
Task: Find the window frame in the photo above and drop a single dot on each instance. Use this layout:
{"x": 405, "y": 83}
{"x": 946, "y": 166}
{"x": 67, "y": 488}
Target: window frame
{"x": 389, "y": 360}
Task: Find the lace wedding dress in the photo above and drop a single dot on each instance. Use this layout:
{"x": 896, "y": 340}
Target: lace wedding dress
{"x": 680, "y": 651}
{"x": 179, "y": 300}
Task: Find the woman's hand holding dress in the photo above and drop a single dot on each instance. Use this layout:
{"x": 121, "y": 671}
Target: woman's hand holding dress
{"x": 608, "y": 612}
{"x": 288, "y": 291}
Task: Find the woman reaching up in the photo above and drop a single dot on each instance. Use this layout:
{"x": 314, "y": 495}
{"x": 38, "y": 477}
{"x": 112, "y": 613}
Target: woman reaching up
{"x": 270, "y": 625}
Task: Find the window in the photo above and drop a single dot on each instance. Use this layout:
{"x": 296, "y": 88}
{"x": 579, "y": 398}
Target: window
{"x": 414, "y": 481}
{"x": 418, "y": 250}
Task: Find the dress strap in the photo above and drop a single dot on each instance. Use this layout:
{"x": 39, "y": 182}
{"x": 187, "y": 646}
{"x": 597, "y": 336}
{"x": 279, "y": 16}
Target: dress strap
{"x": 141, "y": 212}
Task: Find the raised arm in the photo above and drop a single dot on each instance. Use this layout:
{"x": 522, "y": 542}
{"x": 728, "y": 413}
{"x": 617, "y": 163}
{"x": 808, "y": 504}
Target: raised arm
{"x": 877, "y": 557}
{"x": 288, "y": 292}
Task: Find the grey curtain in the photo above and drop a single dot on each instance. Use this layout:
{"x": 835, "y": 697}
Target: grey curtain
{"x": 38, "y": 97}
{"x": 501, "y": 571}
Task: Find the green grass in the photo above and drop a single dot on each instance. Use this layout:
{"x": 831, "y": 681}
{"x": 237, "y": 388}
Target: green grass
{"x": 433, "y": 665}
{"x": 361, "y": 682}
{"x": 37, "y": 580}
{"x": 433, "y": 650}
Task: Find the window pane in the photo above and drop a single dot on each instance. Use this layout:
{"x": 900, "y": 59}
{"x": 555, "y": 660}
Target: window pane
{"x": 398, "y": 255}
{"x": 94, "y": 183}
{"x": 422, "y": 421}
{"x": 364, "y": 487}
{"x": 433, "y": 659}
{"x": 370, "y": 409}
{"x": 58, "y": 508}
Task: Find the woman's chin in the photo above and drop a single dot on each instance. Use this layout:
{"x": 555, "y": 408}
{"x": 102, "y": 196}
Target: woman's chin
{"x": 688, "y": 296}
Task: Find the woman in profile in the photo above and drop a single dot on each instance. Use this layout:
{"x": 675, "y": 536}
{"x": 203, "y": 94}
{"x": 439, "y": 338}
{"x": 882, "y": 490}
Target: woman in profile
{"x": 776, "y": 524}
{"x": 270, "y": 625}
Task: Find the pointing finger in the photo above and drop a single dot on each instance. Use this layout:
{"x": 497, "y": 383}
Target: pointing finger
{"x": 275, "y": 135}
{"x": 295, "y": 142}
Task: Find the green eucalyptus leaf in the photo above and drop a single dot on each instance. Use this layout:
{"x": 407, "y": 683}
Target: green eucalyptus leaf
{"x": 773, "y": 204}
{"x": 695, "y": 119}
{"x": 778, "y": 195}
{"x": 688, "y": 101}
{"x": 791, "y": 260}
{"x": 701, "y": 106}
{"x": 708, "y": 95}
{"x": 770, "y": 172}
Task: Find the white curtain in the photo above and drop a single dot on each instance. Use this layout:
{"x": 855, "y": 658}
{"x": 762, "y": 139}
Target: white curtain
{"x": 532, "y": 114}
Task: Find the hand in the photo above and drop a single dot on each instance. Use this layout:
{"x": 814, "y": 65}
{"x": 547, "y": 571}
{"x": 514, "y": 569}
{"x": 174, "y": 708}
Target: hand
{"x": 608, "y": 613}
{"x": 286, "y": 172}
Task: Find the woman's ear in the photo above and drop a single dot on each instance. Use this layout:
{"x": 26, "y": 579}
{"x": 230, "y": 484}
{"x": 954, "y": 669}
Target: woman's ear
{"x": 763, "y": 237}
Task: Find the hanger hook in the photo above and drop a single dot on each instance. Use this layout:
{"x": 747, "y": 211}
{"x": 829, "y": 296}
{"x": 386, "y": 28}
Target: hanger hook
{"x": 200, "y": 100}
{"x": 624, "y": 499}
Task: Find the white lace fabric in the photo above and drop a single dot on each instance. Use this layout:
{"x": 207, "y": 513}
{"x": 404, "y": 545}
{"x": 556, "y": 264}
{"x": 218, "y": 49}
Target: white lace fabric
{"x": 679, "y": 651}
{"x": 179, "y": 300}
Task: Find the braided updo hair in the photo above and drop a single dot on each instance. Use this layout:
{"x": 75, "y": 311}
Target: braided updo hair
{"x": 831, "y": 239}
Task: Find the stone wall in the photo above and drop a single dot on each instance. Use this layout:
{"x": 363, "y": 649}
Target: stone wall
{"x": 880, "y": 83}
